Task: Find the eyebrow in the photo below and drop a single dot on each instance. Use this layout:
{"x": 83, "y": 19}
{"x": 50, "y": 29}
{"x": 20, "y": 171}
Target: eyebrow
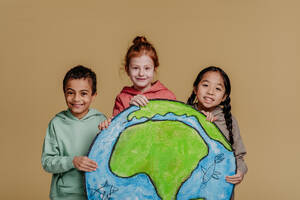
{"x": 70, "y": 89}
{"x": 220, "y": 84}
{"x": 84, "y": 90}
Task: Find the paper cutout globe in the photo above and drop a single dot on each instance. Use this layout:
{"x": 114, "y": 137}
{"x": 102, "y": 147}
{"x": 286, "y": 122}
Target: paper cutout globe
{"x": 165, "y": 150}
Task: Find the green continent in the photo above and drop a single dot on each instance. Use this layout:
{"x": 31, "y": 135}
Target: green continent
{"x": 167, "y": 151}
{"x": 163, "y": 107}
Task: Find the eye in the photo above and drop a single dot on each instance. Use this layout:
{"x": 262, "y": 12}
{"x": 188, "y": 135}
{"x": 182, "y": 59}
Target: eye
{"x": 69, "y": 93}
{"x": 84, "y": 93}
{"x": 134, "y": 67}
{"x": 204, "y": 85}
{"x": 219, "y": 89}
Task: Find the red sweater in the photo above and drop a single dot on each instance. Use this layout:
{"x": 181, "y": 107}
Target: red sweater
{"x": 157, "y": 91}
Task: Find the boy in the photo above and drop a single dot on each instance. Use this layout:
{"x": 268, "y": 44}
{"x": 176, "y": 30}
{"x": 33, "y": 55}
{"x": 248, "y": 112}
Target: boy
{"x": 70, "y": 134}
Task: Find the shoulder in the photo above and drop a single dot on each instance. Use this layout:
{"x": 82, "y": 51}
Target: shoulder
{"x": 94, "y": 115}
{"x": 123, "y": 99}
{"x": 162, "y": 91}
{"x": 127, "y": 92}
{"x": 97, "y": 114}
{"x": 235, "y": 125}
{"x": 123, "y": 95}
{"x": 55, "y": 124}
{"x": 234, "y": 120}
{"x": 58, "y": 117}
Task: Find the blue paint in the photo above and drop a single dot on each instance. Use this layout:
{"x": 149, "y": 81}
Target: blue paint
{"x": 206, "y": 181}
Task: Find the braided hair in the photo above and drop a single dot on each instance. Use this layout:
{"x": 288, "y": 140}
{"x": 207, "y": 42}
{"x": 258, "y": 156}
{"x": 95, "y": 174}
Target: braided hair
{"x": 225, "y": 104}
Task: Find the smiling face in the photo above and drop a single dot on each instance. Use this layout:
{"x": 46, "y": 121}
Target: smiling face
{"x": 210, "y": 91}
{"x": 78, "y": 95}
{"x": 141, "y": 72}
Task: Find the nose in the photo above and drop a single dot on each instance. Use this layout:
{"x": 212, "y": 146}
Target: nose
{"x": 76, "y": 97}
{"x": 141, "y": 72}
{"x": 210, "y": 90}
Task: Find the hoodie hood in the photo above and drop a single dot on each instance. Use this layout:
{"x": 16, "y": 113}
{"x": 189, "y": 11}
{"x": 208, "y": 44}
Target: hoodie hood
{"x": 155, "y": 87}
{"x": 67, "y": 115}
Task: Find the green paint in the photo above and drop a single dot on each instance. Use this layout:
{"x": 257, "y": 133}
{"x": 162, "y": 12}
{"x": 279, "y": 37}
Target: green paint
{"x": 145, "y": 148}
{"x": 163, "y": 107}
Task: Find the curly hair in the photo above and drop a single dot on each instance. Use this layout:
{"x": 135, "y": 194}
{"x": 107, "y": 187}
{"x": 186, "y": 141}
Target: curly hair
{"x": 79, "y": 72}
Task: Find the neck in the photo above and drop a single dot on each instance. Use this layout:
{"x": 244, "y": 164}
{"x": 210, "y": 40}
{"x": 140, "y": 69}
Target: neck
{"x": 202, "y": 108}
{"x": 142, "y": 89}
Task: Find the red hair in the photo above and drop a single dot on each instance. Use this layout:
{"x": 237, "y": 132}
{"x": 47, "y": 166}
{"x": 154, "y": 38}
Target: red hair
{"x": 141, "y": 47}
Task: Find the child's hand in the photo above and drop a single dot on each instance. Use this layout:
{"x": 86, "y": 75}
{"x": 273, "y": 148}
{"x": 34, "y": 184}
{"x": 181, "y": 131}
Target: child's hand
{"x": 235, "y": 179}
{"x": 209, "y": 116}
{"x": 139, "y": 100}
{"x": 104, "y": 125}
{"x": 83, "y": 163}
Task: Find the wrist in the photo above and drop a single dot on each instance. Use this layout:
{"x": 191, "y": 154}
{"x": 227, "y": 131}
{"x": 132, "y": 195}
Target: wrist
{"x": 73, "y": 161}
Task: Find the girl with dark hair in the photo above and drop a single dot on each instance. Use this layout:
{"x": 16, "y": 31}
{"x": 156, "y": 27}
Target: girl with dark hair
{"x": 211, "y": 95}
{"x": 141, "y": 61}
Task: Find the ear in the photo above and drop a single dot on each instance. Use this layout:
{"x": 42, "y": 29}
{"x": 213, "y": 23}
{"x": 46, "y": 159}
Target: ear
{"x": 94, "y": 96}
{"x": 127, "y": 70}
{"x": 224, "y": 97}
{"x": 195, "y": 90}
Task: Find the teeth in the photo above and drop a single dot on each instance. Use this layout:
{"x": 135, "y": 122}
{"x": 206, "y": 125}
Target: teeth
{"x": 208, "y": 99}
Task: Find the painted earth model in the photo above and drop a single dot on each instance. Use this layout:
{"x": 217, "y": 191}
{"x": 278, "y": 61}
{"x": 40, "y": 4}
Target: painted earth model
{"x": 165, "y": 150}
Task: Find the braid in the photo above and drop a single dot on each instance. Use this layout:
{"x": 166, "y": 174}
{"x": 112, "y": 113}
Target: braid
{"x": 191, "y": 99}
{"x": 228, "y": 117}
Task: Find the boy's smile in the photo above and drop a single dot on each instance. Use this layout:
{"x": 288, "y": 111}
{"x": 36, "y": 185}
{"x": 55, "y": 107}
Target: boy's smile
{"x": 78, "y": 95}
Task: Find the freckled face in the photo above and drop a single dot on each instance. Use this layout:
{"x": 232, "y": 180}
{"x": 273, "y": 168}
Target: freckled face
{"x": 78, "y": 96}
{"x": 141, "y": 72}
{"x": 210, "y": 91}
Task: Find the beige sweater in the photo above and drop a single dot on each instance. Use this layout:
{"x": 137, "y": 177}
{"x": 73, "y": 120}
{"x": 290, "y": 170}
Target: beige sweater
{"x": 238, "y": 145}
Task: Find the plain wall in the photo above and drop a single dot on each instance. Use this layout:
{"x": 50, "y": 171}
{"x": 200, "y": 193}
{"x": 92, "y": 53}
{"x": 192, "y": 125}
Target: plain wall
{"x": 255, "y": 41}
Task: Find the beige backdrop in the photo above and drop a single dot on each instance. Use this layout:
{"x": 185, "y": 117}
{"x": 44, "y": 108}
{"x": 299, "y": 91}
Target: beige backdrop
{"x": 255, "y": 41}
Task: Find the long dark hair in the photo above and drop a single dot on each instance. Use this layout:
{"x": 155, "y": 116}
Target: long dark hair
{"x": 225, "y": 104}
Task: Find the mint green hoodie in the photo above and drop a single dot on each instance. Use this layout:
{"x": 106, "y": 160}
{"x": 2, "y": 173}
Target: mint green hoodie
{"x": 68, "y": 136}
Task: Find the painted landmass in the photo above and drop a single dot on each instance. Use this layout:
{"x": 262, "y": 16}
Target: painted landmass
{"x": 164, "y": 107}
{"x": 145, "y": 148}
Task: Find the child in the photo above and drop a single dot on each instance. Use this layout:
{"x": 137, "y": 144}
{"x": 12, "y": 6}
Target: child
{"x": 211, "y": 95}
{"x": 141, "y": 61}
{"x": 70, "y": 134}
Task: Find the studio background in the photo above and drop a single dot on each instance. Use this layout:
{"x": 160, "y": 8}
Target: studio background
{"x": 256, "y": 42}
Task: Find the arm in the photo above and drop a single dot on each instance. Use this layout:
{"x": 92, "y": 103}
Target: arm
{"x": 164, "y": 94}
{"x": 118, "y": 107}
{"x": 139, "y": 100}
{"x": 104, "y": 124}
{"x": 123, "y": 102}
{"x": 240, "y": 152}
{"x": 171, "y": 96}
{"x": 239, "y": 147}
{"x": 52, "y": 161}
